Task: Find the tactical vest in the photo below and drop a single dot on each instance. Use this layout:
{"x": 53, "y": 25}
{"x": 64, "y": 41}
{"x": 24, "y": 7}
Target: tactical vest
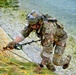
{"x": 52, "y": 27}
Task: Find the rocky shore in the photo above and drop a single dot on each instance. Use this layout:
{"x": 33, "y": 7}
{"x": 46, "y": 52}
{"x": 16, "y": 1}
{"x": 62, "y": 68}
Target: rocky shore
{"x": 13, "y": 21}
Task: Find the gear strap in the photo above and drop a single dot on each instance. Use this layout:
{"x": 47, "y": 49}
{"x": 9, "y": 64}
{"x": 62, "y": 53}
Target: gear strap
{"x": 19, "y": 46}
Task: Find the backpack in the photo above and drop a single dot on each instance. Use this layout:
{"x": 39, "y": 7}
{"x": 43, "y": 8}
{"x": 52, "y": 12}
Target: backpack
{"x": 53, "y": 20}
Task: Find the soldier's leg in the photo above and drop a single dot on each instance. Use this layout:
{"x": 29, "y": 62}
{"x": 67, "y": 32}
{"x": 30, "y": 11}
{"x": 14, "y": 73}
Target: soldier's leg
{"x": 48, "y": 61}
{"x": 58, "y": 58}
{"x": 47, "y": 44}
{"x": 45, "y": 61}
{"x": 50, "y": 66}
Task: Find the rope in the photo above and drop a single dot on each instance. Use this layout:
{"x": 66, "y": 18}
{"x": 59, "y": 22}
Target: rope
{"x": 20, "y": 56}
{"x": 20, "y": 45}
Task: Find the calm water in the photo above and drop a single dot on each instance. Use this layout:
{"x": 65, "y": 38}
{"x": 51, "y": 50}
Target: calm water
{"x": 63, "y": 10}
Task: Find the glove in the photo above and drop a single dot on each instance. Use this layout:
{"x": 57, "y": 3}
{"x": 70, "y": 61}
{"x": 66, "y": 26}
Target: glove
{"x": 11, "y": 45}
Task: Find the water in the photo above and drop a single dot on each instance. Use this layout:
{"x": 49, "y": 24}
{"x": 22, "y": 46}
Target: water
{"x": 63, "y": 10}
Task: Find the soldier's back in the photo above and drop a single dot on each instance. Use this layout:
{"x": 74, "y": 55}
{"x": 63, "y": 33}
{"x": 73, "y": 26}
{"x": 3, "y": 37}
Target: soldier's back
{"x": 49, "y": 27}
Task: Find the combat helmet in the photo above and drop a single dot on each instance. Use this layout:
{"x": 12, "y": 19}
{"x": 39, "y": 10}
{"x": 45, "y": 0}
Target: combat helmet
{"x": 33, "y": 17}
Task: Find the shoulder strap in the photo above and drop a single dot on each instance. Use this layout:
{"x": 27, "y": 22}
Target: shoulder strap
{"x": 59, "y": 25}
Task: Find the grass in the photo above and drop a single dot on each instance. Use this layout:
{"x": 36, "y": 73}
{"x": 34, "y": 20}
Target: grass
{"x": 4, "y": 3}
{"x": 11, "y": 66}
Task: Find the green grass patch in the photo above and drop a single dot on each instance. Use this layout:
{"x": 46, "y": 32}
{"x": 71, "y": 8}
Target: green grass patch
{"x": 10, "y": 3}
{"x": 11, "y": 66}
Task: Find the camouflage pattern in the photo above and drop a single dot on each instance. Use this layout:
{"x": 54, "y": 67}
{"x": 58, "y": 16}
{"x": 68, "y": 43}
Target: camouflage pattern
{"x": 51, "y": 32}
{"x": 33, "y": 17}
{"x": 26, "y": 31}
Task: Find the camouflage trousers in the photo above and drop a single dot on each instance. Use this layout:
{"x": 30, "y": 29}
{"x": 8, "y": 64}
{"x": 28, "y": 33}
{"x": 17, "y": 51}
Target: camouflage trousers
{"x": 56, "y": 54}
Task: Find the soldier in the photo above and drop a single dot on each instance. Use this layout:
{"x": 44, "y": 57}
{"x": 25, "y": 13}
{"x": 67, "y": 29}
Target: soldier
{"x": 52, "y": 35}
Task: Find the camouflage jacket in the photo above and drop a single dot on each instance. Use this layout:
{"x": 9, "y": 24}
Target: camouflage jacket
{"x": 49, "y": 30}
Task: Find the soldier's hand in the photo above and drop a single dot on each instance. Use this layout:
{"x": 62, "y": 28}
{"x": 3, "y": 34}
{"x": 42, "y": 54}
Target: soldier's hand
{"x": 11, "y": 45}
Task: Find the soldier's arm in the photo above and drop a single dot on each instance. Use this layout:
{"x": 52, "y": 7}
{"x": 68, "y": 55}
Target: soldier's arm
{"x": 24, "y": 33}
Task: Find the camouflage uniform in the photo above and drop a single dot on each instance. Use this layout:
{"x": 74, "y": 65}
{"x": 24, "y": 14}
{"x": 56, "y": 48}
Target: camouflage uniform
{"x": 51, "y": 34}
{"x": 54, "y": 35}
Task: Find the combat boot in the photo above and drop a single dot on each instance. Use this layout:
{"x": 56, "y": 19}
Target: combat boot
{"x": 66, "y": 65}
{"x": 51, "y": 67}
{"x": 38, "y": 69}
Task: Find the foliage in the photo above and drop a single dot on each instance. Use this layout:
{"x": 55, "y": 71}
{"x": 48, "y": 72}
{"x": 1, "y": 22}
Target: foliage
{"x": 11, "y": 66}
{"x": 8, "y": 3}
